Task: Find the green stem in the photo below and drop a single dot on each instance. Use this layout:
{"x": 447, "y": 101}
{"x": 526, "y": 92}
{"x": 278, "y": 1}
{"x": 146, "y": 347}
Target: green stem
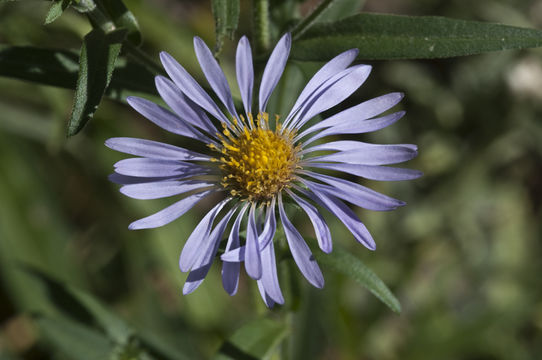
{"x": 306, "y": 23}
{"x": 261, "y": 32}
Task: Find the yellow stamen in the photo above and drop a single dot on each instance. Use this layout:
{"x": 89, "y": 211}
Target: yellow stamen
{"x": 257, "y": 163}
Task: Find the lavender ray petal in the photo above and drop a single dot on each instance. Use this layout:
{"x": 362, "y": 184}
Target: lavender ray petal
{"x": 345, "y": 214}
{"x": 207, "y": 251}
{"x": 172, "y": 212}
{"x": 185, "y": 108}
{"x": 300, "y": 251}
{"x": 356, "y": 127}
{"x": 199, "y": 236}
{"x": 253, "y": 260}
{"x": 354, "y": 193}
{"x": 265, "y": 297}
{"x": 351, "y": 145}
{"x": 162, "y": 189}
{"x": 273, "y": 69}
{"x": 269, "y": 278}
{"x": 348, "y": 81}
{"x": 371, "y": 154}
{"x": 214, "y": 74}
{"x": 245, "y": 72}
{"x": 323, "y": 235}
{"x": 146, "y": 167}
{"x": 190, "y": 87}
{"x": 165, "y": 118}
{"x": 372, "y": 172}
{"x": 331, "y": 68}
{"x": 153, "y": 149}
{"x": 360, "y": 112}
{"x": 231, "y": 270}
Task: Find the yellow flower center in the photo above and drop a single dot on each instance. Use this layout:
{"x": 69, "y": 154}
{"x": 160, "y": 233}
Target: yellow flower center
{"x": 256, "y": 162}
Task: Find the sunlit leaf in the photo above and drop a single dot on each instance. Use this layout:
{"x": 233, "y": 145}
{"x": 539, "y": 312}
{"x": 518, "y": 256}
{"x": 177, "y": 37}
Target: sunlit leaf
{"x": 255, "y": 340}
{"x": 349, "y": 265}
{"x": 226, "y": 14}
{"x": 380, "y": 36}
{"x": 56, "y": 9}
{"x": 96, "y": 64}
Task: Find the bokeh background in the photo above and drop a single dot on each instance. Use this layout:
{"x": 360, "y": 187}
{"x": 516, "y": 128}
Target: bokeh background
{"x": 463, "y": 257}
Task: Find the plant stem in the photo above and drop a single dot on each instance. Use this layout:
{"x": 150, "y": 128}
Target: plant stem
{"x": 143, "y": 58}
{"x": 306, "y": 23}
{"x": 261, "y": 25}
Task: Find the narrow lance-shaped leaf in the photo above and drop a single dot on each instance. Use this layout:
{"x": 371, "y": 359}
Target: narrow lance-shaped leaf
{"x": 59, "y": 68}
{"x": 255, "y": 340}
{"x": 226, "y": 14}
{"x": 347, "y": 264}
{"x": 96, "y": 64}
{"x": 379, "y": 36}
{"x": 56, "y": 9}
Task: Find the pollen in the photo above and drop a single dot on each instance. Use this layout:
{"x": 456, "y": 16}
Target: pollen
{"x": 256, "y": 162}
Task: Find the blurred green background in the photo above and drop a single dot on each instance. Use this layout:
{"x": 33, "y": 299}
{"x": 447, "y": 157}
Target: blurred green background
{"x": 464, "y": 257}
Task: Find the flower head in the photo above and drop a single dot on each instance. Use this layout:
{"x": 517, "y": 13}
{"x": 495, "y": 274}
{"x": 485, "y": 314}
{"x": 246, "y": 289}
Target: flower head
{"x": 255, "y": 160}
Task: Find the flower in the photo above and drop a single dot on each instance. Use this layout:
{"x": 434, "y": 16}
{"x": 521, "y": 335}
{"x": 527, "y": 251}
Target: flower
{"x": 256, "y": 162}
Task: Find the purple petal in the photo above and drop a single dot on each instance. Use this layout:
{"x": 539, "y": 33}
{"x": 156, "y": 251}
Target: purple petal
{"x": 170, "y": 213}
{"x": 185, "y": 108}
{"x": 214, "y": 74}
{"x": 372, "y": 172}
{"x": 145, "y": 167}
{"x": 334, "y": 91}
{"x": 351, "y": 145}
{"x": 331, "y": 68}
{"x": 230, "y": 270}
{"x": 253, "y": 261}
{"x": 269, "y": 280}
{"x": 207, "y": 251}
{"x": 245, "y": 72}
{"x": 165, "y": 118}
{"x": 355, "y": 114}
{"x": 354, "y": 193}
{"x": 266, "y": 298}
{"x": 273, "y": 69}
{"x": 345, "y": 214}
{"x": 369, "y": 154}
{"x": 300, "y": 251}
{"x": 153, "y": 149}
{"x": 357, "y": 127}
{"x": 199, "y": 236}
{"x": 162, "y": 189}
{"x": 190, "y": 87}
{"x": 320, "y": 227}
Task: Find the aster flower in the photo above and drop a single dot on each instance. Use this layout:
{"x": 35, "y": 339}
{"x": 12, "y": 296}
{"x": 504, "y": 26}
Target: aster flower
{"x": 256, "y": 162}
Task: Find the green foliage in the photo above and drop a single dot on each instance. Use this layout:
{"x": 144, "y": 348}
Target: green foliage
{"x": 256, "y": 340}
{"x": 352, "y": 267}
{"x": 96, "y": 64}
{"x": 379, "y": 36}
{"x": 56, "y": 9}
{"x": 226, "y": 15}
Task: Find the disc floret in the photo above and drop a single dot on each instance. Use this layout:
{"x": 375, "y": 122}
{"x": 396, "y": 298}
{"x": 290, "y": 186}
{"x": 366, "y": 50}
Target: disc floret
{"x": 256, "y": 162}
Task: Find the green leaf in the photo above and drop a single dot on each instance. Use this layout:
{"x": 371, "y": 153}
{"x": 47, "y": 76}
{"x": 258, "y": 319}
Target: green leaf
{"x": 56, "y": 9}
{"x": 343, "y": 262}
{"x": 74, "y": 340}
{"x": 256, "y": 340}
{"x": 124, "y": 18}
{"x": 80, "y": 305}
{"x": 96, "y": 64}
{"x": 380, "y": 36}
{"x": 226, "y": 14}
{"x": 59, "y": 68}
